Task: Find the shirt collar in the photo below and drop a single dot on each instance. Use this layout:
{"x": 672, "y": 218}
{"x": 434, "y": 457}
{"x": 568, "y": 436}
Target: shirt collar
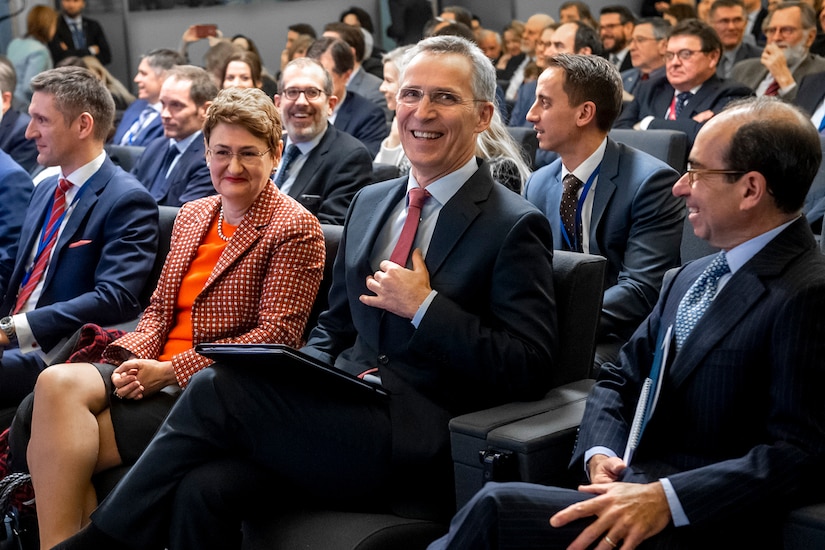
{"x": 586, "y": 168}
{"x": 740, "y": 255}
{"x": 445, "y": 187}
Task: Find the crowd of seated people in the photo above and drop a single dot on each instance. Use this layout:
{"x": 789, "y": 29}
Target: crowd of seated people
{"x": 342, "y": 102}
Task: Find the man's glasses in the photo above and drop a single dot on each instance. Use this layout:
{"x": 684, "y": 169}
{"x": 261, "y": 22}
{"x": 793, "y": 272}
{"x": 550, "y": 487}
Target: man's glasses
{"x": 247, "y": 158}
{"x": 293, "y": 94}
{"x": 411, "y": 97}
{"x": 783, "y": 31}
{"x": 683, "y": 55}
{"x": 694, "y": 174}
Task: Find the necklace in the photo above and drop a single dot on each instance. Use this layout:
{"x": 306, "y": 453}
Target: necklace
{"x": 220, "y": 226}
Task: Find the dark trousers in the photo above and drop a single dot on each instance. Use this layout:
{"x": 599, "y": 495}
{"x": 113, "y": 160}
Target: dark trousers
{"x": 234, "y": 432}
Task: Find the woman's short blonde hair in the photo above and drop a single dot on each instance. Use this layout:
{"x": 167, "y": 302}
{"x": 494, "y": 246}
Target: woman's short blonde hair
{"x": 249, "y": 108}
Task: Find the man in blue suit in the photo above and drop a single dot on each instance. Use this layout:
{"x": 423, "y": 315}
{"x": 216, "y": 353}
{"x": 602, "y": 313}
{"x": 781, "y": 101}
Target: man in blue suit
{"x": 353, "y": 113}
{"x": 329, "y": 165}
{"x": 104, "y": 241}
{"x": 173, "y": 167}
{"x": 141, "y": 121}
{"x": 465, "y": 322}
{"x": 15, "y": 192}
{"x": 13, "y": 124}
{"x": 623, "y": 205}
{"x": 689, "y": 93}
{"x": 737, "y": 434}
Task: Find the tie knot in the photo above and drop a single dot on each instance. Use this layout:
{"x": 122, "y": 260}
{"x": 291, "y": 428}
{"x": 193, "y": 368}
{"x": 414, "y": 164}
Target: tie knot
{"x": 63, "y": 185}
{"x": 571, "y": 183}
{"x": 684, "y": 96}
{"x": 718, "y": 267}
{"x": 418, "y": 196}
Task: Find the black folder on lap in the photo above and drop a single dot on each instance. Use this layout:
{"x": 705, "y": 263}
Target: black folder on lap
{"x": 289, "y": 360}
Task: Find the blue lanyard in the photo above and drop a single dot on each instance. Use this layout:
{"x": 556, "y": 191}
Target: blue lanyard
{"x": 579, "y": 208}
{"x": 46, "y": 237}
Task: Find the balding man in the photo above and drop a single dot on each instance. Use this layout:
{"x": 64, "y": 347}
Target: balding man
{"x": 533, "y": 27}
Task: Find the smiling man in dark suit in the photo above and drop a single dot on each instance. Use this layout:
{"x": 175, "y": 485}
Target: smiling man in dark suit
{"x": 104, "y": 242}
{"x": 689, "y": 93}
{"x": 623, "y": 201}
{"x": 173, "y": 168}
{"x": 737, "y": 434}
{"x": 464, "y": 322}
{"x": 328, "y": 165}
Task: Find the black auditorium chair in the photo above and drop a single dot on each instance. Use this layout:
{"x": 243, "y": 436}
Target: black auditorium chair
{"x": 670, "y": 146}
{"x": 578, "y": 283}
{"x": 125, "y": 156}
{"x": 382, "y": 171}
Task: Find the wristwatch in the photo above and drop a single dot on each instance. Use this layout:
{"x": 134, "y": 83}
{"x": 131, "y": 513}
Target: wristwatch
{"x": 7, "y": 326}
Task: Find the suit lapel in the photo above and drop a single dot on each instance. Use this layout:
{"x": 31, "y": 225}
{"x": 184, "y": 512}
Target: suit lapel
{"x": 605, "y": 188}
{"x": 312, "y": 163}
{"x": 703, "y": 98}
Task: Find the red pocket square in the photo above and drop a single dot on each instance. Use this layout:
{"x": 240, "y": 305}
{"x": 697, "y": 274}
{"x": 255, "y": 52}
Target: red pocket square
{"x": 79, "y": 243}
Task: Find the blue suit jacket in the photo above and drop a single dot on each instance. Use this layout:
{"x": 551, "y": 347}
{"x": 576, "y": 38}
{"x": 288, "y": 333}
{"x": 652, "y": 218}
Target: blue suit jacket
{"x": 655, "y": 96}
{"x": 366, "y": 85}
{"x": 490, "y": 261}
{"x": 15, "y": 193}
{"x": 525, "y": 98}
{"x": 14, "y": 142}
{"x": 130, "y": 115}
{"x": 363, "y": 120}
{"x": 334, "y": 170}
{"x": 101, "y": 260}
{"x": 739, "y": 428}
{"x": 636, "y": 223}
{"x": 188, "y": 180}
{"x": 631, "y": 80}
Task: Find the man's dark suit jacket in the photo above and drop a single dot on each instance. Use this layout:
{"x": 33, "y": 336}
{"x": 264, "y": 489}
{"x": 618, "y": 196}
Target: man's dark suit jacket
{"x": 631, "y": 78}
{"x": 15, "y": 192}
{"x": 13, "y": 140}
{"x": 489, "y": 260}
{"x": 746, "y": 50}
{"x": 94, "y": 37}
{"x": 653, "y": 98}
{"x": 130, "y": 115}
{"x": 101, "y": 260}
{"x": 636, "y": 223}
{"x": 811, "y": 92}
{"x": 739, "y": 429}
{"x": 751, "y": 72}
{"x": 334, "y": 170}
{"x": 364, "y": 120}
{"x": 188, "y": 180}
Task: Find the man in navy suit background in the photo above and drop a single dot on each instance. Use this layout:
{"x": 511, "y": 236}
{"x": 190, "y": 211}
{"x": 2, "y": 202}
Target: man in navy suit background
{"x": 106, "y": 239}
{"x": 692, "y": 53}
{"x": 330, "y": 165}
{"x": 737, "y": 435}
{"x": 173, "y": 167}
{"x": 353, "y": 114}
{"x": 15, "y": 192}
{"x": 77, "y": 35}
{"x": 627, "y": 212}
{"x": 13, "y": 124}
{"x": 141, "y": 121}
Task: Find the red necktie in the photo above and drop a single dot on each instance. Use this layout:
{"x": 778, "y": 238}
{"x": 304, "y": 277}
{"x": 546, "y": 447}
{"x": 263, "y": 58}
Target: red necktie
{"x": 47, "y": 240}
{"x": 403, "y": 247}
{"x": 773, "y": 88}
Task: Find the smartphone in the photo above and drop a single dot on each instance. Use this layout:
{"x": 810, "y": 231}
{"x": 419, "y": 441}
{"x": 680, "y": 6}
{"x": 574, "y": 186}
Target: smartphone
{"x": 202, "y": 31}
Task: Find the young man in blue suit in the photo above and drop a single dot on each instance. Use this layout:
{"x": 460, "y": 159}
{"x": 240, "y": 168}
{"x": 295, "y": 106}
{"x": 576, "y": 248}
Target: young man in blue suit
{"x": 737, "y": 434}
{"x": 623, "y": 207}
{"x": 466, "y": 321}
{"x": 330, "y": 165}
{"x": 173, "y": 167}
{"x": 104, "y": 242}
{"x": 13, "y": 124}
{"x": 141, "y": 123}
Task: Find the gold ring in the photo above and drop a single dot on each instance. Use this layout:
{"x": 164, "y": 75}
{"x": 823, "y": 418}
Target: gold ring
{"x": 610, "y": 542}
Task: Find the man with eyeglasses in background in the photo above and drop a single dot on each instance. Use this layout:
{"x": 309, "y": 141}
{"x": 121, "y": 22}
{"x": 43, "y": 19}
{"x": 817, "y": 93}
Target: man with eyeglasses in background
{"x": 322, "y": 167}
{"x": 647, "y": 53}
{"x": 689, "y": 93}
{"x": 728, "y": 18}
{"x": 790, "y": 29}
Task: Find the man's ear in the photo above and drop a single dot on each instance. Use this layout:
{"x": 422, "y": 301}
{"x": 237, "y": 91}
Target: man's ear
{"x": 6, "y": 101}
{"x": 587, "y": 114}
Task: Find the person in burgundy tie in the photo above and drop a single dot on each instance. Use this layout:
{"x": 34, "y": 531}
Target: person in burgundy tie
{"x": 173, "y": 167}
{"x": 647, "y": 50}
{"x": 790, "y": 29}
{"x": 89, "y": 238}
{"x": 736, "y": 437}
{"x": 466, "y": 322}
{"x": 691, "y": 56}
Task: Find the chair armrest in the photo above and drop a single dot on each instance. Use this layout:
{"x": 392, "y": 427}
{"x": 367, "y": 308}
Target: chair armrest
{"x": 537, "y": 436}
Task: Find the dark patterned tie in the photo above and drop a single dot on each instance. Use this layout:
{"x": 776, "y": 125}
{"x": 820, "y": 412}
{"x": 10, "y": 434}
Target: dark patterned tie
{"x": 567, "y": 211}
{"x": 681, "y": 100}
{"x": 159, "y": 186}
{"x": 773, "y": 88}
{"x": 292, "y": 153}
{"x": 698, "y": 298}
{"x": 77, "y": 36}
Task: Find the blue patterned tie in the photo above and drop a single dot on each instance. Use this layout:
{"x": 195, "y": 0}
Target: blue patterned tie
{"x": 77, "y": 36}
{"x": 682, "y": 99}
{"x": 292, "y": 153}
{"x": 698, "y": 298}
